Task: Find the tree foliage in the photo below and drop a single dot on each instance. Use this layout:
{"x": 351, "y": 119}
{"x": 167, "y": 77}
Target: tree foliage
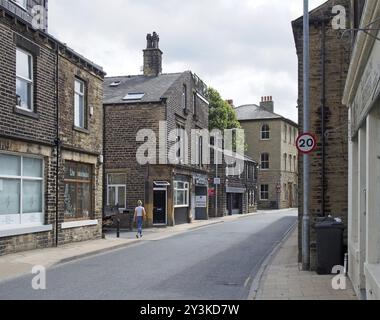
{"x": 222, "y": 114}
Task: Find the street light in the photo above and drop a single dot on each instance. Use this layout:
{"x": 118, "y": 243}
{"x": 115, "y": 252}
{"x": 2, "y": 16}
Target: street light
{"x": 306, "y": 124}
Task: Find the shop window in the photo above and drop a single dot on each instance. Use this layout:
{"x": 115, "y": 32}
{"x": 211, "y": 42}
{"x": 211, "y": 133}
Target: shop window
{"x": 21, "y": 190}
{"x": 78, "y": 191}
{"x": 181, "y": 194}
{"x": 116, "y": 190}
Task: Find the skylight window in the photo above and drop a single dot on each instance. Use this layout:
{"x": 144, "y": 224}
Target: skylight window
{"x": 115, "y": 84}
{"x": 134, "y": 96}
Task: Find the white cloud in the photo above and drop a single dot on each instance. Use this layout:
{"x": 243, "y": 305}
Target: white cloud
{"x": 244, "y": 48}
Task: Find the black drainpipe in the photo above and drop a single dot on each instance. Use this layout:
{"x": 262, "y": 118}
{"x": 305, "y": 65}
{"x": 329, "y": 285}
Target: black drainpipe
{"x": 323, "y": 115}
{"x": 58, "y": 147}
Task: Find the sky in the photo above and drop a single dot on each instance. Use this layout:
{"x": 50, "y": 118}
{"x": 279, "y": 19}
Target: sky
{"x": 242, "y": 48}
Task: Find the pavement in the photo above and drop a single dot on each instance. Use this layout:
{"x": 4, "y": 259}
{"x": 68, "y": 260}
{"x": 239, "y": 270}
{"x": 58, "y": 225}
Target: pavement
{"x": 282, "y": 279}
{"x": 18, "y": 264}
{"x": 216, "y": 259}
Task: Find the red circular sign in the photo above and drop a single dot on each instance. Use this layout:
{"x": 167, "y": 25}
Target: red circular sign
{"x": 306, "y": 143}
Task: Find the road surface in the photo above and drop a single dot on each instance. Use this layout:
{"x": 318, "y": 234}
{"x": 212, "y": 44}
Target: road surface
{"x": 218, "y": 262}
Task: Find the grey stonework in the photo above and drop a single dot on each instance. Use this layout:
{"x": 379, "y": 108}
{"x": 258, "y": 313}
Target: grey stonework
{"x": 335, "y": 173}
{"x": 36, "y": 133}
{"x": 162, "y": 101}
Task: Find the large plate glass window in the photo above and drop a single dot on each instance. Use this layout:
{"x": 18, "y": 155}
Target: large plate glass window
{"x": 21, "y": 191}
{"x": 181, "y": 194}
{"x": 116, "y": 190}
{"x": 24, "y": 80}
{"x": 78, "y": 191}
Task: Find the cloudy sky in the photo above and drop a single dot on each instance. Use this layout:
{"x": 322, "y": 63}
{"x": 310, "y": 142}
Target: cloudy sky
{"x": 242, "y": 48}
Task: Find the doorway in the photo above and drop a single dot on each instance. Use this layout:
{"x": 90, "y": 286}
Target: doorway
{"x": 290, "y": 188}
{"x": 159, "y": 206}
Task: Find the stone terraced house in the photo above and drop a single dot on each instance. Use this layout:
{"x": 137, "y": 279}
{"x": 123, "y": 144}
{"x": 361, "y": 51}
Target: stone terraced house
{"x": 51, "y": 142}
{"x": 170, "y": 105}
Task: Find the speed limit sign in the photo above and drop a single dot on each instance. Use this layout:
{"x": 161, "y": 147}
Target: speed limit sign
{"x": 306, "y": 143}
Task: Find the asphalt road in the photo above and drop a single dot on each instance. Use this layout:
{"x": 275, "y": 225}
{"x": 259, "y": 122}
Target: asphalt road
{"x": 213, "y": 263}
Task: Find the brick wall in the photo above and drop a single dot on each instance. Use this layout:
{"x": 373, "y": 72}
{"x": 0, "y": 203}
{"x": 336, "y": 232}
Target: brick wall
{"x": 336, "y": 121}
{"x": 39, "y": 126}
{"x": 84, "y": 146}
{"x": 122, "y": 123}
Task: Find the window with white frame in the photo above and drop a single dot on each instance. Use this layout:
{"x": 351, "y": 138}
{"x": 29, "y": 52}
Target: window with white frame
{"x": 264, "y": 192}
{"x": 265, "y": 161}
{"x": 116, "y": 190}
{"x": 181, "y": 194}
{"x": 21, "y": 190}
{"x": 24, "y": 80}
{"x": 265, "y": 132}
{"x": 79, "y": 104}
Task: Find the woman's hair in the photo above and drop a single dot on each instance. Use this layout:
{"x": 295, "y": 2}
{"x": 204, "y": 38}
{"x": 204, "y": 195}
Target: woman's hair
{"x": 139, "y": 203}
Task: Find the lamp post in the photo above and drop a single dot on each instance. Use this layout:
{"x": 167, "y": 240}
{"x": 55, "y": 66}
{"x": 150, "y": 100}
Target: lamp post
{"x": 306, "y": 125}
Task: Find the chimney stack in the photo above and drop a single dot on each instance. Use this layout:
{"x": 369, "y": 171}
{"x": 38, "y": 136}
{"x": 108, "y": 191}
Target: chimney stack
{"x": 230, "y": 102}
{"x": 267, "y": 103}
{"x": 152, "y": 56}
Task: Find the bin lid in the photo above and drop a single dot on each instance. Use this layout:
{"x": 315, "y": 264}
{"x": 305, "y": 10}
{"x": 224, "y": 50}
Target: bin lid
{"x": 329, "y": 224}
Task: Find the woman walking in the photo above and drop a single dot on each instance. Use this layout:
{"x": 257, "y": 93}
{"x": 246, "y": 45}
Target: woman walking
{"x": 140, "y": 216}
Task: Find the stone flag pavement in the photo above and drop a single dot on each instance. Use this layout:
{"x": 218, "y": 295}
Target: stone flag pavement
{"x": 284, "y": 280}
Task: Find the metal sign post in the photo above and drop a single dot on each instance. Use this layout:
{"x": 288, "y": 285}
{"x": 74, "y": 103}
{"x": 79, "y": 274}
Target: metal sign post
{"x": 306, "y": 113}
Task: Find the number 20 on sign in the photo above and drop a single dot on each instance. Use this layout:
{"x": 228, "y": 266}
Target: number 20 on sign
{"x": 306, "y": 143}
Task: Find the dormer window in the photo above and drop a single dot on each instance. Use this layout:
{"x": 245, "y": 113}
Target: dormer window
{"x": 134, "y": 96}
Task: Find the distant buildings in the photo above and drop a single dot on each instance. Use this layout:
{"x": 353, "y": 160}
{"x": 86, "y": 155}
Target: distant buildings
{"x": 51, "y": 169}
{"x": 271, "y": 143}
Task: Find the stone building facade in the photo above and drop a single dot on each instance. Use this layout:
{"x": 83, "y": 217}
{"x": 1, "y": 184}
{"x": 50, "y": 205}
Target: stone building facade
{"x": 362, "y": 97}
{"x": 237, "y": 192}
{"x": 169, "y": 106}
{"x": 34, "y": 138}
{"x": 329, "y": 61}
{"x": 271, "y": 143}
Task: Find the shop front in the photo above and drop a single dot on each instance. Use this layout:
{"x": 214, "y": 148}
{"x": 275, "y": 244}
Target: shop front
{"x": 200, "y": 197}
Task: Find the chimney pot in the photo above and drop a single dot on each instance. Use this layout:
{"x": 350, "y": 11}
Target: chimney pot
{"x": 152, "y": 56}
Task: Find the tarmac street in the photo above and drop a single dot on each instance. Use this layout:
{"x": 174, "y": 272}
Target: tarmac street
{"x": 216, "y": 262}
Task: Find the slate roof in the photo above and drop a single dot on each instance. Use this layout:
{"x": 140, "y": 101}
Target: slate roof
{"x": 154, "y": 88}
{"x": 254, "y": 112}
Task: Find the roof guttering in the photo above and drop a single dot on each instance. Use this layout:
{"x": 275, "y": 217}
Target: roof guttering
{"x": 362, "y": 50}
{"x": 63, "y": 48}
